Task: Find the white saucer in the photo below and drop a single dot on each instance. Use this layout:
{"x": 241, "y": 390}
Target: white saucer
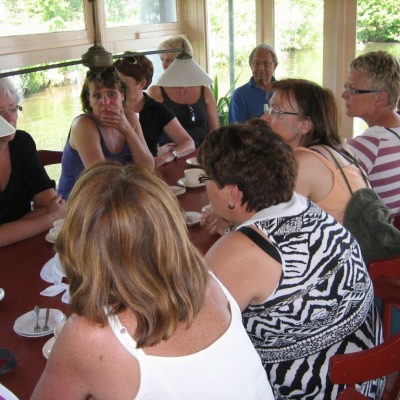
{"x": 193, "y": 161}
{"x": 191, "y": 217}
{"x": 178, "y": 190}
{"x": 48, "y": 346}
{"x": 7, "y": 394}
{"x": 25, "y": 324}
{"x": 182, "y": 182}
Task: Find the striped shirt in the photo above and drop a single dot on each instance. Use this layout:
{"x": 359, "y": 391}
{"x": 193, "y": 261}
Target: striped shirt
{"x": 379, "y": 153}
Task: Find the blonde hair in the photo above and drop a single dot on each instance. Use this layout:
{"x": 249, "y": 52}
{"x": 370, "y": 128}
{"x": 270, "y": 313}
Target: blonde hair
{"x": 125, "y": 245}
{"x": 176, "y": 42}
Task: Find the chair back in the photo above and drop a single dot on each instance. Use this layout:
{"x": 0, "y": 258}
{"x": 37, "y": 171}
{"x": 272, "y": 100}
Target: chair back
{"x": 385, "y": 275}
{"x": 366, "y": 365}
{"x": 50, "y": 157}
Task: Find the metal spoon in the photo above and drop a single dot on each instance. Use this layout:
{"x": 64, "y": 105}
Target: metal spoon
{"x": 2, "y": 293}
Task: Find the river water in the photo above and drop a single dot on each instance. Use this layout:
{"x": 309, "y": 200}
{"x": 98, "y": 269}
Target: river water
{"x": 47, "y": 115}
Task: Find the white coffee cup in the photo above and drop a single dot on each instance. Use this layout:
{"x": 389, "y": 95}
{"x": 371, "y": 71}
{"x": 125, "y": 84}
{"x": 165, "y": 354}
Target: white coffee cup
{"x": 192, "y": 176}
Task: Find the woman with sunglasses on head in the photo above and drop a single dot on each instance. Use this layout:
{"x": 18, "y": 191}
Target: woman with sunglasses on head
{"x": 136, "y": 72}
{"x": 23, "y": 179}
{"x": 104, "y": 131}
{"x": 194, "y": 106}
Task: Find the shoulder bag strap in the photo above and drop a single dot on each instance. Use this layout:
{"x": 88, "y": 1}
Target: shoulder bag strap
{"x": 353, "y": 159}
{"x": 391, "y": 130}
{"x": 341, "y": 170}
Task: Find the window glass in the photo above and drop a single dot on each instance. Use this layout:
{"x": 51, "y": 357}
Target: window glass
{"x": 24, "y": 17}
{"x": 299, "y": 39}
{"x": 243, "y": 40}
{"x": 138, "y": 12}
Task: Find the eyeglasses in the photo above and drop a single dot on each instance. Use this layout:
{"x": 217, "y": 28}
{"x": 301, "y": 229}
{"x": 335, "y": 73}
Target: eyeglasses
{"x": 11, "y": 111}
{"x": 258, "y": 64}
{"x": 190, "y": 113}
{"x": 352, "y": 91}
{"x": 268, "y": 109}
{"x": 203, "y": 178}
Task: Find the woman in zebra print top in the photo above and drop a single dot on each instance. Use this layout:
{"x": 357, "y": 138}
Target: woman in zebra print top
{"x": 296, "y": 273}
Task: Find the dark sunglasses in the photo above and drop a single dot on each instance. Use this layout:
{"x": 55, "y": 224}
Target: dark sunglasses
{"x": 98, "y": 74}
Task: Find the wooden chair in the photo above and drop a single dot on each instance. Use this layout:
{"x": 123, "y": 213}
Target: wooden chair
{"x": 366, "y": 365}
{"x": 50, "y": 157}
{"x": 396, "y": 221}
{"x": 385, "y": 275}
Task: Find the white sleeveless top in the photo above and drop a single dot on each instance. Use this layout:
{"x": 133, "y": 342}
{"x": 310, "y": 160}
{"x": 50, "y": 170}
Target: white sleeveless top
{"x": 228, "y": 369}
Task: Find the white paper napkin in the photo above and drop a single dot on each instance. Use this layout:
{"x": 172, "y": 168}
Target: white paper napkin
{"x": 53, "y": 272}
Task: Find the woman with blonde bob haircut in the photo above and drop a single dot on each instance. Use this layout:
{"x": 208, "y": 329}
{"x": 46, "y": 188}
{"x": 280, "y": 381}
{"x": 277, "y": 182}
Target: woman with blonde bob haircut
{"x": 149, "y": 320}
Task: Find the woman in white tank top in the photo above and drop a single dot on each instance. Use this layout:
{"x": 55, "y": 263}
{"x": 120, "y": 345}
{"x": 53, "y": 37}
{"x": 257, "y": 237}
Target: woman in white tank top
{"x": 149, "y": 321}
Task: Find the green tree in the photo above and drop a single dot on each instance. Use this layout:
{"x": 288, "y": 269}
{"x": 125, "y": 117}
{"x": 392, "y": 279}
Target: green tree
{"x": 378, "y": 21}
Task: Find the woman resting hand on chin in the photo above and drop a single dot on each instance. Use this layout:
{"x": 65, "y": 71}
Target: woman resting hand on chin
{"x": 104, "y": 131}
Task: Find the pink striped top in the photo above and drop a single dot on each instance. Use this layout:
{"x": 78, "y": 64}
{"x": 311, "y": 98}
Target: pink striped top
{"x": 379, "y": 153}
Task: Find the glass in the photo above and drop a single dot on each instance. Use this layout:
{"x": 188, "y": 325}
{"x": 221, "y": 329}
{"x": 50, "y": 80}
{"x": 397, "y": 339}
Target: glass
{"x": 257, "y": 64}
{"x": 352, "y": 91}
{"x": 299, "y": 38}
{"x": 11, "y": 111}
{"x": 268, "y": 109}
{"x": 203, "y": 178}
{"x": 128, "y": 12}
{"x": 27, "y": 17}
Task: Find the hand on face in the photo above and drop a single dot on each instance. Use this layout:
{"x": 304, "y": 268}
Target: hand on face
{"x": 107, "y": 106}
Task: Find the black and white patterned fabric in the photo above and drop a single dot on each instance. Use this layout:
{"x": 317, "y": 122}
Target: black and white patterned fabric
{"x": 322, "y": 306}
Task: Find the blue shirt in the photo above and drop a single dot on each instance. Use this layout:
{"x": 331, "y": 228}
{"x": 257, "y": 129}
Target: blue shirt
{"x": 248, "y": 102}
{"x": 72, "y": 165}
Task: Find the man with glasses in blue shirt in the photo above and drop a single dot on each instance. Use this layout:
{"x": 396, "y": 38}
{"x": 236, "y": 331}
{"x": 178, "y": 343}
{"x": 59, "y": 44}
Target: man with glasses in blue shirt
{"x": 248, "y": 100}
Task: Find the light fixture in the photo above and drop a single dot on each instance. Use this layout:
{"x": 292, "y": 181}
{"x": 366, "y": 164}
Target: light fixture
{"x": 184, "y": 71}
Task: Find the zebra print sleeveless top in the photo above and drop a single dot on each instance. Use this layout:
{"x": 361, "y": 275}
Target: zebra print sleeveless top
{"x": 322, "y": 306}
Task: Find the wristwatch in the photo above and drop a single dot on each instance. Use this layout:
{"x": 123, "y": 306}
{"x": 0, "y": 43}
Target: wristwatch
{"x": 175, "y": 154}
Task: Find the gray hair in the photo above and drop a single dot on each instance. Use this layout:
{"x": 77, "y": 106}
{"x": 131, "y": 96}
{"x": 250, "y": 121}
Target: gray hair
{"x": 7, "y": 89}
{"x": 266, "y": 47}
{"x": 382, "y": 72}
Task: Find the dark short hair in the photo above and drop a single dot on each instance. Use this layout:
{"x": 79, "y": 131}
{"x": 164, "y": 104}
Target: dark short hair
{"x": 136, "y": 66}
{"x": 107, "y": 78}
{"x": 255, "y": 159}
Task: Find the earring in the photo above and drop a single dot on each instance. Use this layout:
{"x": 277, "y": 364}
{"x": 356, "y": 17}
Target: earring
{"x": 231, "y": 207}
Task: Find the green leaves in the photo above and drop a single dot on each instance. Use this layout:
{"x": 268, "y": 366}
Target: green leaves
{"x": 224, "y": 101}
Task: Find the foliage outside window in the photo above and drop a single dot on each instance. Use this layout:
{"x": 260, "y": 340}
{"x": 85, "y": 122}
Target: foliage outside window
{"x": 378, "y": 21}
{"x": 23, "y": 17}
{"x": 128, "y": 12}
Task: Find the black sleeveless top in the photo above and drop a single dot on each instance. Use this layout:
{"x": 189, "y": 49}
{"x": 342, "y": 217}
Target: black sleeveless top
{"x": 193, "y": 118}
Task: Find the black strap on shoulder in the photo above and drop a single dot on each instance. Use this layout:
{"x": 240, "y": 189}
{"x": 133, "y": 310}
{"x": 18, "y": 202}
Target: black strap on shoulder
{"x": 11, "y": 362}
{"x": 391, "y": 130}
{"x": 261, "y": 242}
{"x": 354, "y": 161}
